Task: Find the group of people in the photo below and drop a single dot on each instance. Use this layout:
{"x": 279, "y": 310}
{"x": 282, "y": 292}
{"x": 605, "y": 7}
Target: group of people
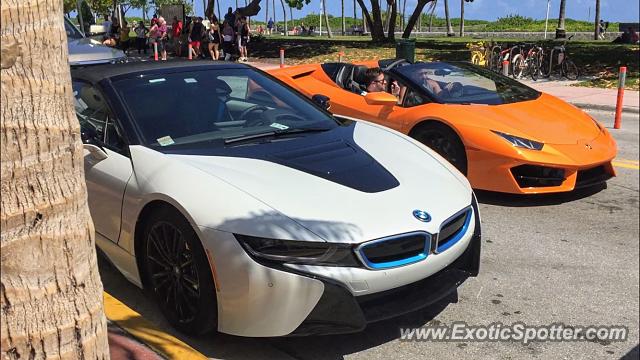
{"x": 226, "y": 40}
{"x": 376, "y": 81}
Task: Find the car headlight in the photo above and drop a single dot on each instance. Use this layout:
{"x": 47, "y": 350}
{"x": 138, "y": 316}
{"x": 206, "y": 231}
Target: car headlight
{"x": 299, "y": 252}
{"x": 520, "y": 142}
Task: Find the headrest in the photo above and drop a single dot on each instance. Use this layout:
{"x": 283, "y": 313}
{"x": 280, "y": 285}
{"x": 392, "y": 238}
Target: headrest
{"x": 358, "y": 74}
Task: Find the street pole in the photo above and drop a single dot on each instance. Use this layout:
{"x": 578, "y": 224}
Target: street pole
{"x": 546, "y": 20}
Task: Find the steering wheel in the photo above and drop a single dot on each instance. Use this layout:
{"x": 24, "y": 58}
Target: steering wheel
{"x": 254, "y": 121}
{"x": 394, "y": 64}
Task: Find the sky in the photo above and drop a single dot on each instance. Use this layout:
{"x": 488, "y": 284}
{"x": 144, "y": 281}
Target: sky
{"x": 611, "y": 10}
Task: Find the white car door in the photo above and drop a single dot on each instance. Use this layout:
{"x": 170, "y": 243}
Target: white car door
{"x": 106, "y": 159}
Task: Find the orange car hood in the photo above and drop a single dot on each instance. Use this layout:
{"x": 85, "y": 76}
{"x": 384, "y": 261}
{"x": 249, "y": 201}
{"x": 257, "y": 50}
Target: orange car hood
{"x": 546, "y": 119}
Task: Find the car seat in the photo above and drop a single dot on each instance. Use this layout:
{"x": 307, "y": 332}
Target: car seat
{"x": 357, "y": 83}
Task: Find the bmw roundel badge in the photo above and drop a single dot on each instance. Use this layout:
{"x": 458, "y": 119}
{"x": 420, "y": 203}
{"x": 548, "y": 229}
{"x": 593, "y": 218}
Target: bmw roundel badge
{"x": 422, "y": 215}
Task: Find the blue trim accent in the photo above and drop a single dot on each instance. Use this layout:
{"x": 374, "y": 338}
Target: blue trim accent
{"x": 457, "y": 236}
{"x": 391, "y": 264}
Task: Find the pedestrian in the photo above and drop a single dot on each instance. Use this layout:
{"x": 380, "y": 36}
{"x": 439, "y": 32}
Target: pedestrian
{"x": 106, "y": 25}
{"x": 270, "y": 26}
{"x": 162, "y": 39}
{"x": 154, "y": 35}
{"x": 229, "y": 16}
{"x": 214, "y": 39}
{"x": 124, "y": 36}
{"x": 195, "y": 36}
{"x": 227, "y": 40}
{"x": 141, "y": 37}
{"x": 243, "y": 35}
{"x": 115, "y": 31}
{"x": 176, "y": 31}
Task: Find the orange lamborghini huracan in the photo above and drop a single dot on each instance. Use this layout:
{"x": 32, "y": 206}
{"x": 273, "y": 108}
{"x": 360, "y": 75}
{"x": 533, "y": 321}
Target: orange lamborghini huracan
{"x": 503, "y": 135}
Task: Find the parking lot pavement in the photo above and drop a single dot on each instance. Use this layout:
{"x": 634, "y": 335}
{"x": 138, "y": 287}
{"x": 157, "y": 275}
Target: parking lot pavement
{"x": 569, "y": 259}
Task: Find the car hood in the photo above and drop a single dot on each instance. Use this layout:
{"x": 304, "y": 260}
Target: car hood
{"x": 546, "y": 119}
{"x": 339, "y": 212}
{"x": 87, "y": 51}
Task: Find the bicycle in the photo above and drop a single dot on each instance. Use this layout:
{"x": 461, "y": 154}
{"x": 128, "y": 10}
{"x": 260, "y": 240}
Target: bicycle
{"x": 568, "y": 68}
{"x": 479, "y": 53}
{"x": 527, "y": 62}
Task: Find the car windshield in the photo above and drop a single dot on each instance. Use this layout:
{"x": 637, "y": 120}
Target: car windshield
{"x": 462, "y": 83}
{"x": 213, "y": 107}
{"x": 72, "y": 31}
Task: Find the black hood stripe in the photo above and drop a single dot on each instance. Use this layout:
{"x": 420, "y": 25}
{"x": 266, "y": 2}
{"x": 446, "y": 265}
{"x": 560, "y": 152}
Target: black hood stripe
{"x": 332, "y": 155}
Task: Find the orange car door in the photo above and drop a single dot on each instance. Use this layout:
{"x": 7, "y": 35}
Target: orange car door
{"x": 354, "y": 105}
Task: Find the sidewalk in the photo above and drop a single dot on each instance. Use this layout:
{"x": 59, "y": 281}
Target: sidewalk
{"x": 582, "y": 97}
{"x": 587, "y": 98}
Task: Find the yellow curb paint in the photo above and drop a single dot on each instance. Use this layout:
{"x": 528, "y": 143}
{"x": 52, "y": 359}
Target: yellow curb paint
{"x": 148, "y": 333}
{"x": 633, "y": 162}
{"x": 625, "y": 165}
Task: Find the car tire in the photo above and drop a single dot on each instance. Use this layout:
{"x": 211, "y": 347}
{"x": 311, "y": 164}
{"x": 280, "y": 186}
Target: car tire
{"x": 443, "y": 140}
{"x": 177, "y": 272}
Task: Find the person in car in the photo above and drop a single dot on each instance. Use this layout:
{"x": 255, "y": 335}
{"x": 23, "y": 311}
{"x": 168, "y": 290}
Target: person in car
{"x": 452, "y": 89}
{"x": 375, "y": 81}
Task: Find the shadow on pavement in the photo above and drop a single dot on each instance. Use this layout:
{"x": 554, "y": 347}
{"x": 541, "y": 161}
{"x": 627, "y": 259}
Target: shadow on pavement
{"x": 217, "y": 345}
{"x": 516, "y": 200}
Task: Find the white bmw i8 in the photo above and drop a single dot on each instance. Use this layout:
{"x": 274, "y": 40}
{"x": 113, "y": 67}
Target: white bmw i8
{"x": 246, "y": 208}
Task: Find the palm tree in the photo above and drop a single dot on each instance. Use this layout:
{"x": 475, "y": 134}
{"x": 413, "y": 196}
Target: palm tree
{"x": 596, "y": 31}
{"x": 50, "y": 289}
{"x": 326, "y": 18}
{"x": 433, "y": 9}
{"x": 447, "y": 18}
{"x": 344, "y": 25}
{"x": 461, "y": 18}
{"x": 560, "y": 32}
{"x": 284, "y": 12}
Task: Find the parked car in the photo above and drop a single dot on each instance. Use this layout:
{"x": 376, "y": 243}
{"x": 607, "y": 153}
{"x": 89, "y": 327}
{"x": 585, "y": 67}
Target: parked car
{"x": 244, "y": 207}
{"x": 85, "y": 51}
{"x": 503, "y": 135}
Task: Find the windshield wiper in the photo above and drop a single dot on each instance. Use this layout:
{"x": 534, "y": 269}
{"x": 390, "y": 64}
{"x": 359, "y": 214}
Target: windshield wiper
{"x": 275, "y": 133}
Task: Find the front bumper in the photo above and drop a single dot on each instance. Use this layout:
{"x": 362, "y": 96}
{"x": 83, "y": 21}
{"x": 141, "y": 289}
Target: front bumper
{"x": 259, "y": 299}
{"x": 339, "y": 312}
{"x": 583, "y": 164}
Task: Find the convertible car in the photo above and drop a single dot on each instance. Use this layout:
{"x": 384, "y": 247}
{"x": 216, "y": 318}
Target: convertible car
{"x": 242, "y": 206}
{"x": 503, "y": 135}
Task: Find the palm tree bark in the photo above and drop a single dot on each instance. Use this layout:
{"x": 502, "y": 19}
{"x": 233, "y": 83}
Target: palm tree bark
{"x": 447, "y": 18}
{"x": 344, "y": 24}
{"x": 414, "y": 17}
{"x": 375, "y": 23}
{"x": 326, "y": 19}
{"x": 461, "y": 18}
{"x": 596, "y": 30}
{"x": 391, "y": 32}
{"x": 560, "y": 32}
{"x": 286, "y": 25}
{"x": 51, "y": 295}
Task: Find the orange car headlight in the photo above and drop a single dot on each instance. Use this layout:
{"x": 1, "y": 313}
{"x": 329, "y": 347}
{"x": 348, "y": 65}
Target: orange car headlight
{"x": 520, "y": 142}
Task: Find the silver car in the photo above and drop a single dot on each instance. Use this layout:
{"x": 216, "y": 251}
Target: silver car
{"x": 86, "y": 51}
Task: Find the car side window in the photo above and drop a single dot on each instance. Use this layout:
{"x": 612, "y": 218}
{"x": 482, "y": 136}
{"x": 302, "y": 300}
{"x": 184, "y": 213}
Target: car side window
{"x": 96, "y": 118}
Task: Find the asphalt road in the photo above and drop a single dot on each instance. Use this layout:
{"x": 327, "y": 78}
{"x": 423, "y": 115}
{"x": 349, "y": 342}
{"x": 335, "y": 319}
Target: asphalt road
{"x": 571, "y": 259}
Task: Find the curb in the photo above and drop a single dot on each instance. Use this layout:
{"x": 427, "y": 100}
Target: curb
{"x": 625, "y": 109}
{"x": 146, "y": 332}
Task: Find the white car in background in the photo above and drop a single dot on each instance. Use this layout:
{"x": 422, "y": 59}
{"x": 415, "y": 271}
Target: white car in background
{"x": 244, "y": 207}
{"x": 84, "y": 51}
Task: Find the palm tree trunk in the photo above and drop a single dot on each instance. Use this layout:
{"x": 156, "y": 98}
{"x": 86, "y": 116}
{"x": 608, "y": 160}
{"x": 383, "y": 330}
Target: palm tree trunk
{"x": 447, "y": 18}
{"x": 266, "y": 13}
{"x": 50, "y": 289}
{"x": 286, "y": 25}
{"x": 293, "y": 24}
{"x": 433, "y": 9}
{"x": 417, "y": 12}
{"x": 391, "y": 32}
{"x": 461, "y": 18}
{"x": 596, "y": 30}
{"x": 560, "y": 32}
{"x": 344, "y": 24}
{"x": 326, "y": 19}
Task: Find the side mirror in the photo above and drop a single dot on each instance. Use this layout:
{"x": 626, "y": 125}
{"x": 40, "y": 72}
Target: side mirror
{"x": 322, "y": 101}
{"x": 380, "y": 98}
